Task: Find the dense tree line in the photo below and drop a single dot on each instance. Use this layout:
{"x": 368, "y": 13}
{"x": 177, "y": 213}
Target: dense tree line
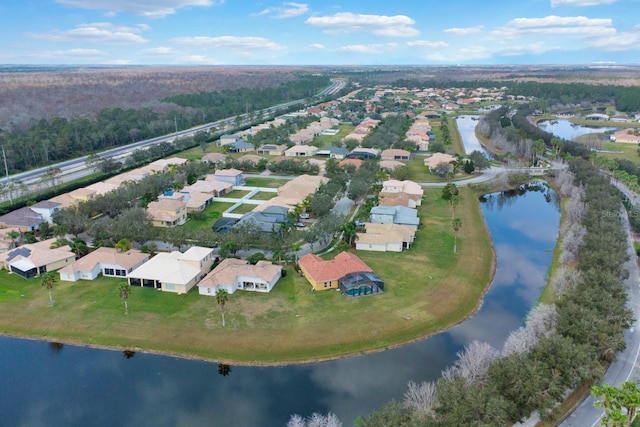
{"x": 560, "y": 346}
{"x": 59, "y": 139}
{"x": 390, "y": 133}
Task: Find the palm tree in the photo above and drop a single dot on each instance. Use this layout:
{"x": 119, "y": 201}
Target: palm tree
{"x": 13, "y": 235}
{"x": 47, "y": 280}
{"x": 453, "y": 202}
{"x": 124, "y": 289}
{"x": 222, "y": 297}
{"x": 123, "y": 245}
{"x": 456, "y": 223}
{"x": 224, "y": 369}
{"x": 349, "y": 233}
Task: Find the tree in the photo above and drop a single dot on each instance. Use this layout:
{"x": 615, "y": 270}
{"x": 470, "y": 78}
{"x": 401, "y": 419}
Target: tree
{"x": 224, "y": 369}
{"x": 456, "y": 224}
{"x": 620, "y": 404}
{"x": 349, "y": 234}
{"x": 479, "y": 160}
{"x": 453, "y": 203}
{"x": 442, "y": 169}
{"x": 124, "y": 289}
{"x": 13, "y": 235}
{"x": 47, "y": 280}
{"x": 123, "y": 245}
{"x": 221, "y": 298}
{"x": 449, "y": 191}
{"x": 92, "y": 162}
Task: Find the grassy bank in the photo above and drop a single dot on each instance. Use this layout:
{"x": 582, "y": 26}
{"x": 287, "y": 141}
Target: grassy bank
{"x": 427, "y": 289}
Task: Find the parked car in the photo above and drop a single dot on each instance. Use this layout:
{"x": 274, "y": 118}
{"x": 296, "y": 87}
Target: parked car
{"x": 304, "y": 216}
{"x": 300, "y": 224}
{"x": 359, "y": 223}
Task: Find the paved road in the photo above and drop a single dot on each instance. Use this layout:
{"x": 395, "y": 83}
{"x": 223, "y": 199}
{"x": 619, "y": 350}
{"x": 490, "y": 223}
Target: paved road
{"x": 626, "y": 365}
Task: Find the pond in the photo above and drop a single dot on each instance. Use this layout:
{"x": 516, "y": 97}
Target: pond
{"x": 467, "y": 128}
{"x": 51, "y": 384}
{"x": 566, "y": 130}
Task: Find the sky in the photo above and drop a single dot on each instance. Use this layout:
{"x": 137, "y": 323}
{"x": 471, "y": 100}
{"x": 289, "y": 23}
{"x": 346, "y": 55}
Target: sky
{"x": 328, "y": 32}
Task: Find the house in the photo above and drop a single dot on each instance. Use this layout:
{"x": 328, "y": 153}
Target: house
{"x": 46, "y": 209}
{"x": 272, "y": 149}
{"x": 224, "y": 225}
{"x": 437, "y": 158}
{"x": 395, "y": 154}
{"x": 389, "y": 165}
{"x": 74, "y": 197}
{"x": 301, "y": 151}
{"x": 363, "y": 153}
{"x": 102, "y": 188}
{"x": 27, "y": 218}
{"x": 216, "y": 158}
{"x": 173, "y": 271}
{"x": 167, "y": 212}
{"x": 232, "y": 176}
{"x": 250, "y": 158}
{"x": 333, "y": 152}
{"x": 295, "y": 191}
{"x": 346, "y": 272}
{"x": 228, "y": 139}
{"x": 233, "y": 274}
{"x": 626, "y": 136}
{"x": 394, "y": 215}
{"x": 385, "y": 237}
{"x": 356, "y": 163}
{"x": 106, "y": 261}
{"x": 268, "y": 219}
{"x": 412, "y": 189}
{"x": 240, "y": 146}
{"x": 162, "y": 165}
{"x": 34, "y": 259}
{"x": 220, "y": 187}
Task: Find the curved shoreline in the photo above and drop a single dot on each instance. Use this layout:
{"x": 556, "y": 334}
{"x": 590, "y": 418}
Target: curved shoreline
{"x": 185, "y": 355}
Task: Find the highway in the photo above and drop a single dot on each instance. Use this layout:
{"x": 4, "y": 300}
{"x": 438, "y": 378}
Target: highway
{"x": 76, "y": 168}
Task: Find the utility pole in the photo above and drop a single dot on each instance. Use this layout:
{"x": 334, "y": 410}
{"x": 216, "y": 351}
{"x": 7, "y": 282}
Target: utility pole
{"x": 6, "y": 170}
{"x": 175, "y": 121}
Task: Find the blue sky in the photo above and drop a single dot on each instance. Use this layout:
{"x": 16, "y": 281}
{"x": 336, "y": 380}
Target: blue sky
{"x": 357, "y": 32}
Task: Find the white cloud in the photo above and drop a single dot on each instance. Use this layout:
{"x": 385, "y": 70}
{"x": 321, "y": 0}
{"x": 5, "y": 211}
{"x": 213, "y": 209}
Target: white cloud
{"x": 464, "y": 31}
{"x": 315, "y": 46}
{"x": 427, "y": 43}
{"x": 369, "y": 48}
{"x": 618, "y": 42}
{"x": 72, "y": 53}
{"x": 232, "y": 42}
{"x": 556, "y": 3}
{"x": 380, "y": 25}
{"x": 552, "y": 24}
{"x": 161, "y": 50}
{"x": 99, "y": 32}
{"x": 287, "y": 10}
{"x": 147, "y": 8}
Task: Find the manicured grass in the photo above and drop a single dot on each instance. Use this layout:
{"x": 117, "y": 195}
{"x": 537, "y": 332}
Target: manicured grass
{"x": 334, "y": 140}
{"x": 212, "y": 213}
{"x": 265, "y": 182}
{"x": 237, "y": 194}
{"x": 244, "y": 208}
{"x": 427, "y": 289}
{"x": 264, "y": 195}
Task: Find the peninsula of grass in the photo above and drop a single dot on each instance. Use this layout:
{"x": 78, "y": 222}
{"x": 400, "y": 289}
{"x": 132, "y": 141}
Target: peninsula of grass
{"x": 211, "y": 214}
{"x": 427, "y": 289}
{"x": 265, "y": 182}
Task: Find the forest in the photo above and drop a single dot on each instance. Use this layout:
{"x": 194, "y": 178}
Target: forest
{"x": 58, "y": 139}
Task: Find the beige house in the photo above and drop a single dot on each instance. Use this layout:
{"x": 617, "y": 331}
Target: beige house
{"x": 173, "y": 271}
{"x": 34, "y": 259}
{"x": 272, "y": 149}
{"x": 438, "y": 158}
{"x": 74, "y": 197}
{"x": 294, "y": 191}
{"x": 627, "y": 136}
{"x": 413, "y": 191}
{"x": 167, "y": 212}
{"x": 301, "y": 151}
{"x": 385, "y": 237}
{"x": 395, "y": 154}
{"x": 217, "y": 158}
{"x": 233, "y": 274}
{"x": 106, "y": 261}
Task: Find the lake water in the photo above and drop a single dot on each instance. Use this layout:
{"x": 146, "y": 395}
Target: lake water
{"x": 566, "y": 130}
{"x": 467, "y": 128}
{"x": 45, "y": 384}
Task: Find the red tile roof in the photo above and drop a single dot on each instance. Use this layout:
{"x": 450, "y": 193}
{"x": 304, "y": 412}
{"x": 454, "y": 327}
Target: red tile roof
{"x": 324, "y": 271}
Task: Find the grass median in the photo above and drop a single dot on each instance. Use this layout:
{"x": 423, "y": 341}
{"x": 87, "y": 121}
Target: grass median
{"x": 427, "y": 289}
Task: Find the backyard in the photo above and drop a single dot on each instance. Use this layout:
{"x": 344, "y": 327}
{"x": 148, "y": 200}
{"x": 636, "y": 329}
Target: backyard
{"x": 427, "y": 289}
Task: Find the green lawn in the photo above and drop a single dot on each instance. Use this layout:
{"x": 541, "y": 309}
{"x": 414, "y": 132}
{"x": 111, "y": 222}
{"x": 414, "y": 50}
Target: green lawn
{"x": 427, "y": 289}
{"x": 212, "y": 213}
{"x": 334, "y": 140}
{"x": 236, "y": 194}
{"x": 244, "y": 208}
{"x": 265, "y": 182}
{"x": 264, "y": 195}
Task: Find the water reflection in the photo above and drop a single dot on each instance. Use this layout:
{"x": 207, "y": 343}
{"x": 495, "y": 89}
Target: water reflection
{"x": 566, "y": 130}
{"x": 84, "y": 386}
